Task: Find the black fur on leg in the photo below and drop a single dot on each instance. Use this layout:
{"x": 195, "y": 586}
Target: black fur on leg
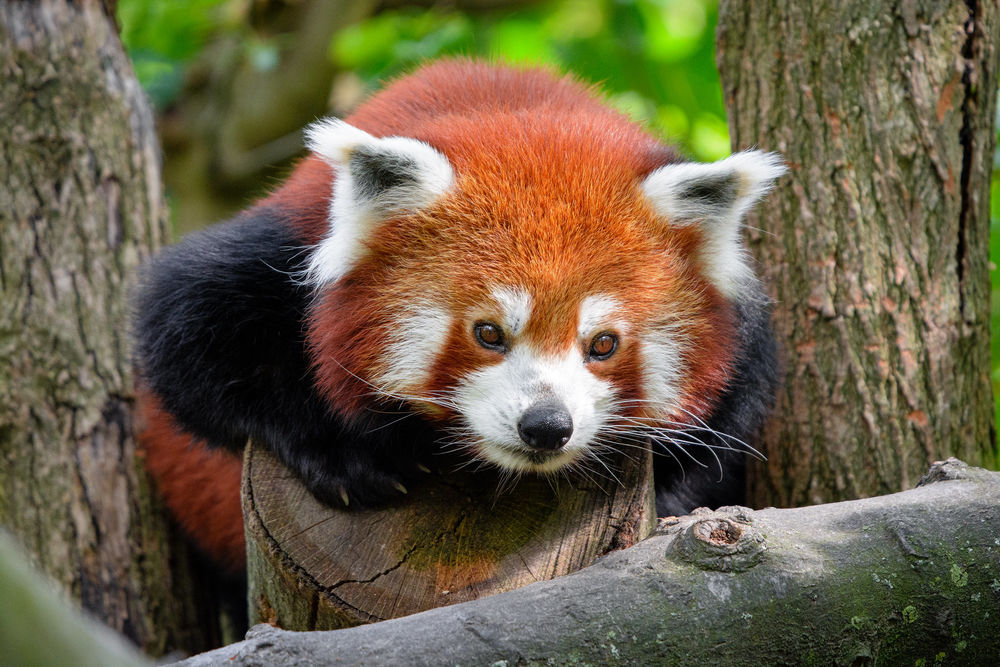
{"x": 220, "y": 341}
{"x": 740, "y": 413}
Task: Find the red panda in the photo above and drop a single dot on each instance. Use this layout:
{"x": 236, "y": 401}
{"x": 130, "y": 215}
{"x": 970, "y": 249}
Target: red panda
{"x": 495, "y": 252}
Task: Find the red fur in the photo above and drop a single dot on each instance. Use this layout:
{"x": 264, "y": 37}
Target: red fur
{"x": 305, "y": 198}
{"x": 201, "y": 487}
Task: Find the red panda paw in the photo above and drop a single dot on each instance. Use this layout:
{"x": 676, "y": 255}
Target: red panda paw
{"x": 357, "y": 485}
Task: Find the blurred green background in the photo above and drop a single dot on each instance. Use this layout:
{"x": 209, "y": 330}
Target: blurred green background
{"x": 654, "y": 57}
{"x": 234, "y": 81}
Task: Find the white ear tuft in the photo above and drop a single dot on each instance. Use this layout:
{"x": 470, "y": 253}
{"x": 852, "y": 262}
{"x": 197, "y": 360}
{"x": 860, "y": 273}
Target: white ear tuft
{"x": 691, "y": 191}
{"x": 376, "y": 177}
{"x": 332, "y": 139}
{"x": 715, "y": 196}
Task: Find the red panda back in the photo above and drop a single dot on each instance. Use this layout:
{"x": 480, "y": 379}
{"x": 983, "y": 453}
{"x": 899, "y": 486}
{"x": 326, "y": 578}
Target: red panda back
{"x": 469, "y": 88}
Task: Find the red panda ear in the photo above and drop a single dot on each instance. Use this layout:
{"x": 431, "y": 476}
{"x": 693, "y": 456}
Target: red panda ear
{"x": 715, "y": 196}
{"x": 376, "y": 177}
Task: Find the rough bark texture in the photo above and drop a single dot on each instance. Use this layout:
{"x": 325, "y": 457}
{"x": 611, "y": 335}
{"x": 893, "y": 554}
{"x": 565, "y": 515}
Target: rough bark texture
{"x": 875, "y": 245}
{"x": 455, "y": 538}
{"x": 905, "y": 579}
{"x": 80, "y": 207}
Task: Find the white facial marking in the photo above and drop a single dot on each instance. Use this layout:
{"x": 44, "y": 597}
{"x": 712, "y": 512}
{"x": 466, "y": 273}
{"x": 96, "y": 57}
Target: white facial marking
{"x": 596, "y": 312}
{"x": 663, "y": 370}
{"x": 414, "y": 341}
{"x": 715, "y": 196}
{"x": 515, "y": 304}
{"x": 493, "y": 399}
{"x": 375, "y": 179}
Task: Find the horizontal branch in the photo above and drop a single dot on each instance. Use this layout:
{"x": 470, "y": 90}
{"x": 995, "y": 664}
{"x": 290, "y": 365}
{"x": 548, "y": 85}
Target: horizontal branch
{"x": 894, "y": 580}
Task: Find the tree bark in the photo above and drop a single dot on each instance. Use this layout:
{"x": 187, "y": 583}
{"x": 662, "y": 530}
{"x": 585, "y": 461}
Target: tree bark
{"x": 875, "y": 247}
{"x": 458, "y": 537}
{"x": 80, "y": 207}
{"x": 906, "y": 579}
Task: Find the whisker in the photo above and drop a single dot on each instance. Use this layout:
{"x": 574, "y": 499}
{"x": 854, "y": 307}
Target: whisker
{"x": 579, "y": 467}
{"x": 688, "y": 429}
{"x": 508, "y": 479}
{"x": 674, "y": 441}
{"x": 661, "y": 450}
{"x": 608, "y": 468}
{"x": 699, "y": 422}
{"x": 394, "y": 421}
{"x": 679, "y": 464}
{"x": 552, "y": 479}
{"x": 616, "y": 445}
{"x": 381, "y": 391}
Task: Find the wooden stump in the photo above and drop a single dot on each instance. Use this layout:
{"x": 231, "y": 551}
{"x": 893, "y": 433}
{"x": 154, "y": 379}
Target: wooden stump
{"x": 452, "y": 539}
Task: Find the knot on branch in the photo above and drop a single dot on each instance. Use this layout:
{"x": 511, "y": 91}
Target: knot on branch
{"x": 947, "y": 470}
{"x": 725, "y": 540}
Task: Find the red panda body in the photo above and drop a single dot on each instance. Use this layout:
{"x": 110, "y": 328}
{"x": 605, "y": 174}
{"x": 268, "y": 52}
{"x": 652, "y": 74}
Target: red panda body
{"x": 494, "y": 250}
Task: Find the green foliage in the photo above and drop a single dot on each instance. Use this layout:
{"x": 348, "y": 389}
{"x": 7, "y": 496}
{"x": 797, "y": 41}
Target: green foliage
{"x": 162, "y": 37}
{"x": 655, "y": 58}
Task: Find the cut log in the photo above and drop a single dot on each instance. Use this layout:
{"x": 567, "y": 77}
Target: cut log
{"x": 458, "y": 536}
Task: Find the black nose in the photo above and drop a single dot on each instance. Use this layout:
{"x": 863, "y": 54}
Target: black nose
{"x": 545, "y": 425}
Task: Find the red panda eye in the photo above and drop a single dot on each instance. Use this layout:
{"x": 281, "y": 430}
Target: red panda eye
{"x": 490, "y": 336}
{"x": 603, "y": 346}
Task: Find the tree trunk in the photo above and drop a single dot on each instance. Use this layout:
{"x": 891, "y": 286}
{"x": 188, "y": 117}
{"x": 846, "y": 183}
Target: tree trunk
{"x": 458, "y": 537}
{"x": 80, "y": 207}
{"x": 875, "y": 247}
{"x": 906, "y": 579}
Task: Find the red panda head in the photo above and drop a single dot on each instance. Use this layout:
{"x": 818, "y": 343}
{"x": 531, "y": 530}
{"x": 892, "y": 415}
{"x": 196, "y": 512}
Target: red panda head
{"x": 538, "y": 281}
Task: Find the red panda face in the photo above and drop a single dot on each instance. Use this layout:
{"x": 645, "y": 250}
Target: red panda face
{"x": 540, "y": 406}
{"x": 547, "y": 287}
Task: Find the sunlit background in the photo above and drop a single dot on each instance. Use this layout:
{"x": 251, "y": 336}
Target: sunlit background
{"x": 233, "y": 81}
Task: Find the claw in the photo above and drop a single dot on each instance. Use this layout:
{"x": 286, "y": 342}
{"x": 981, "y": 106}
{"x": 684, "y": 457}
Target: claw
{"x": 343, "y": 497}
{"x": 399, "y": 487}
